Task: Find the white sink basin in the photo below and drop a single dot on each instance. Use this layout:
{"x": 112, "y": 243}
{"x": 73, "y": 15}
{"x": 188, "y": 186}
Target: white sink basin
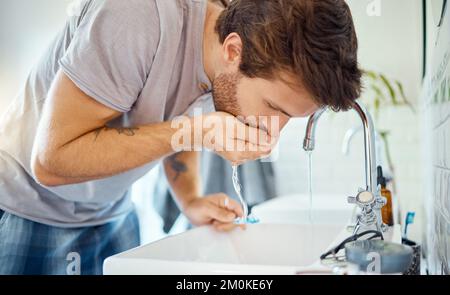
{"x": 260, "y": 249}
{"x": 295, "y": 209}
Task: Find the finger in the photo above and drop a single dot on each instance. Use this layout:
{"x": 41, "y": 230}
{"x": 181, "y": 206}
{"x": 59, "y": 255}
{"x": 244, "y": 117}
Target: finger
{"x": 262, "y": 132}
{"x": 234, "y": 206}
{"x": 224, "y": 201}
{"x": 264, "y": 138}
{"x": 224, "y": 227}
{"x": 221, "y": 214}
{"x": 243, "y": 157}
{"x": 251, "y": 134}
{"x": 227, "y": 227}
{"x": 258, "y": 150}
{"x": 238, "y": 162}
{"x": 274, "y": 139}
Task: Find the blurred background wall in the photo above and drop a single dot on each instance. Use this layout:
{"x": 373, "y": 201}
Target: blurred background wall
{"x": 26, "y": 28}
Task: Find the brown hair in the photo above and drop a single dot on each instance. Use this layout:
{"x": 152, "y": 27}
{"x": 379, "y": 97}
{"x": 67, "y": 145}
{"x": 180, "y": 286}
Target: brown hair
{"x": 314, "y": 40}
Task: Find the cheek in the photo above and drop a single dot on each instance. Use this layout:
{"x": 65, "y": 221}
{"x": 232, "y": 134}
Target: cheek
{"x": 248, "y": 98}
{"x": 251, "y": 105}
{"x": 245, "y": 101}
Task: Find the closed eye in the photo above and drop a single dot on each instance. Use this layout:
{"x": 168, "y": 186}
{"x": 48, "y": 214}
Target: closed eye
{"x": 271, "y": 106}
{"x": 277, "y": 109}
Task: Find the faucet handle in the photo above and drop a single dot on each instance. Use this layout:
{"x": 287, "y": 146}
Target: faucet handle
{"x": 362, "y": 199}
{"x": 380, "y": 202}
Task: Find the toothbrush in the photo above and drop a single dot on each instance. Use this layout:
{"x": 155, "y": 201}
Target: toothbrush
{"x": 409, "y": 219}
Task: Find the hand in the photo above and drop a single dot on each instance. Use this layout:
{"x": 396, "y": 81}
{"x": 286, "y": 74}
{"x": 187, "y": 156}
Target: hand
{"x": 234, "y": 140}
{"x": 218, "y": 210}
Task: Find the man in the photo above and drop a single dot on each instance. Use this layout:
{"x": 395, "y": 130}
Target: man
{"x": 97, "y": 113}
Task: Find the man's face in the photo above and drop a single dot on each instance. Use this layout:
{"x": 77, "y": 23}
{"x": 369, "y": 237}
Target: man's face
{"x": 242, "y": 96}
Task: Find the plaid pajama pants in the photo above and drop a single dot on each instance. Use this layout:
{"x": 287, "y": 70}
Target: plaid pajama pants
{"x": 31, "y": 248}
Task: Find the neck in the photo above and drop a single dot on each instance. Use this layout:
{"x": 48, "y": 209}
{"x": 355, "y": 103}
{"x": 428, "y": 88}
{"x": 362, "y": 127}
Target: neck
{"x": 210, "y": 40}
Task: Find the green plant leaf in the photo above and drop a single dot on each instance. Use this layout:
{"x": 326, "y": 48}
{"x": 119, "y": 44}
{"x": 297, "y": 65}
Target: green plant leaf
{"x": 384, "y": 136}
{"x": 382, "y": 87}
{"x": 389, "y": 88}
{"x": 403, "y": 96}
{"x": 384, "y": 133}
{"x": 371, "y": 74}
{"x": 376, "y": 106}
{"x": 378, "y": 91}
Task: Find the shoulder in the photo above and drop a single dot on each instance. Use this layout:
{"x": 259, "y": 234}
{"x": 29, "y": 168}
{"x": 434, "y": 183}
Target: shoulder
{"x": 129, "y": 12}
{"x": 122, "y": 21}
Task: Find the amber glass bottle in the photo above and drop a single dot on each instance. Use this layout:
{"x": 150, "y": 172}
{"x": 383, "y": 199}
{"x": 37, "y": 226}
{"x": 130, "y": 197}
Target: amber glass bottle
{"x": 386, "y": 212}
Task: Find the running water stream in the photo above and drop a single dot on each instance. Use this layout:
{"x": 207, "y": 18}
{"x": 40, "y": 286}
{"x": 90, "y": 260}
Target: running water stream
{"x": 246, "y": 218}
{"x": 309, "y": 153}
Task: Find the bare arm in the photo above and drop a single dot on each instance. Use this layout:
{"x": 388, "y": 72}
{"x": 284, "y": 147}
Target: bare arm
{"x": 182, "y": 172}
{"x": 183, "y": 175}
{"x": 74, "y": 145}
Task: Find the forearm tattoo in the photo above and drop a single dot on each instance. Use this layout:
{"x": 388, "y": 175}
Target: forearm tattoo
{"x": 120, "y": 130}
{"x": 177, "y": 166}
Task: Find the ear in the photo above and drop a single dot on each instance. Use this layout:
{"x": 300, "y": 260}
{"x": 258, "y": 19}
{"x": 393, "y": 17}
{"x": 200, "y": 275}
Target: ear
{"x": 232, "y": 50}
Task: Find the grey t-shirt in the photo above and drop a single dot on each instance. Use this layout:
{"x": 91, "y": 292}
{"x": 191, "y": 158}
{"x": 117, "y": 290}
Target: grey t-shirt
{"x": 140, "y": 57}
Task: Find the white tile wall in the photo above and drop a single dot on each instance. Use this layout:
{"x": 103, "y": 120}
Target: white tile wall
{"x": 436, "y": 121}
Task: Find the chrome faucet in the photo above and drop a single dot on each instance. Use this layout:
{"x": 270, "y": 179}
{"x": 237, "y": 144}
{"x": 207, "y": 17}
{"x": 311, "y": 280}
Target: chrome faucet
{"x": 368, "y": 199}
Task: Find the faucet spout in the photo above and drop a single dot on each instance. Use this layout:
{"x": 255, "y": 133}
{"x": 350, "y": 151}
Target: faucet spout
{"x": 369, "y": 142}
{"x": 369, "y": 148}
{"x": 310, "y": 136}
{"x": 369, "y": 151}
